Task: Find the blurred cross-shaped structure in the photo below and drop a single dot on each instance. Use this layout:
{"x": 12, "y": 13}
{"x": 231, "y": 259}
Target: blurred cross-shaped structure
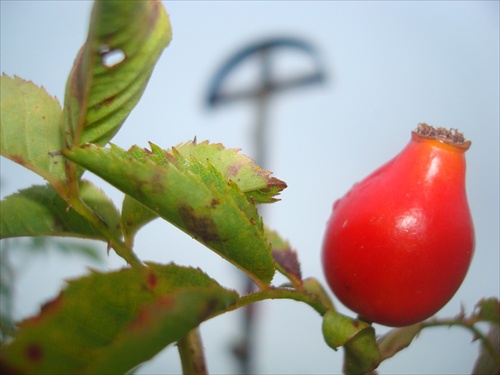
{"x": 270, "y": 83}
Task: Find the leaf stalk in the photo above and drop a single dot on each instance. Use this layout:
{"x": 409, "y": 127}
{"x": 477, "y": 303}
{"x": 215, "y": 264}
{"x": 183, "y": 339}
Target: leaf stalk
{"x": 279, "y": 293}
{"x": 467, "y": 324}
{"x": 119, "y": 246}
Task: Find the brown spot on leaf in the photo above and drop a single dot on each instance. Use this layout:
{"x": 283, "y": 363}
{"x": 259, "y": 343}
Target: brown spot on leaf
{"x": 150, "y": 311}
{"x": 208, "y": 309}
{"x": 199, "y": 225}
{"x": 108, "y": 101}
{"x": 130, "y": 221}
{"x": 214, "y": 203}
{"x": 157, "y": 184}
{"x": 58, "y": 225}
{"x": 165, "y": 302}
{"x": 152, "y": 279}
{"x": 53, "y": 154}
{"x": 142, "y": 319}
{"x": 287, "y": 259}
{"x": 233, "y": 169}
{"x": 34, "y": 353}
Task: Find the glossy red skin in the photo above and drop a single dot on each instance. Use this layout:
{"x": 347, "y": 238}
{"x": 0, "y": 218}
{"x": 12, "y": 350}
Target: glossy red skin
{"x": 398, "y": 245}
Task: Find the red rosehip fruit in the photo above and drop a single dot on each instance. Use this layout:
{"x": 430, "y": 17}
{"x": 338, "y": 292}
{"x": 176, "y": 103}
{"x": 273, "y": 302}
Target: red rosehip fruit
{"x": 398, "y": 245}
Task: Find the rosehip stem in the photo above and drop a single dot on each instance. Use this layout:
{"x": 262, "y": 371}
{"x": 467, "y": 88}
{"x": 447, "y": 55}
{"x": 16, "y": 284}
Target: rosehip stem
{"x": 279, "y": 293}
{"x": 467, "y": 324}
{"x": 191, "y": 353}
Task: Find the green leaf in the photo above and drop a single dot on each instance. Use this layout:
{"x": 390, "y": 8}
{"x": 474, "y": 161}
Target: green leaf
{"x": 111, "y": 71}
{"x": 198, "y": 200}
{"x": 255, "y": 182}
{"x": 134, "y": 216}
{"x": 31, "y": 129}
{"x": 110, "y": 323}
{"x": 40, "y": 211}
{"x": 397, "y": 339}
{"x": 488, "y": 310}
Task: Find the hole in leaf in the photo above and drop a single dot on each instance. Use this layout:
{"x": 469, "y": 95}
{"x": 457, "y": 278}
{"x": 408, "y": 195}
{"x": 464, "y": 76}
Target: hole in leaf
{"x": 111, "y": 57}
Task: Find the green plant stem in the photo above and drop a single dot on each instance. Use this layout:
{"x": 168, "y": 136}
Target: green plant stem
{"x": 279, "y": 293}
{"x": 467, "y": 324}
{"x": 120, "y": 248}
{"x": 191, "y": 353}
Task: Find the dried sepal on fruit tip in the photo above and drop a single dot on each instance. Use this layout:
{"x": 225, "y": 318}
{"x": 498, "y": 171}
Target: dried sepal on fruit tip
{"x": 450, "y": 136}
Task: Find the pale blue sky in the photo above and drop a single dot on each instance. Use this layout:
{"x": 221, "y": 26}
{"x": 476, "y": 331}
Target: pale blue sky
{"x": 390, "y": 66}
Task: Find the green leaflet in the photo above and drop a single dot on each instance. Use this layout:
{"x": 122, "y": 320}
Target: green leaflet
{"x": 113, "y": 67}
{"x": 40, "y": 211}
{"x": 197, "y": 199}
{"x": 134, "y": 216}
{"x": 397, "y": 339}
{"x": 110, "y": 323}
{"x": 255, "y": 182}
{"x": 488, "y": 310}
{"x": 31, "y": 129}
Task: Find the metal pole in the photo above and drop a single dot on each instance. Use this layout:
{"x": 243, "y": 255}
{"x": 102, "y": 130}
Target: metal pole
{"x": 243, "y": 350}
